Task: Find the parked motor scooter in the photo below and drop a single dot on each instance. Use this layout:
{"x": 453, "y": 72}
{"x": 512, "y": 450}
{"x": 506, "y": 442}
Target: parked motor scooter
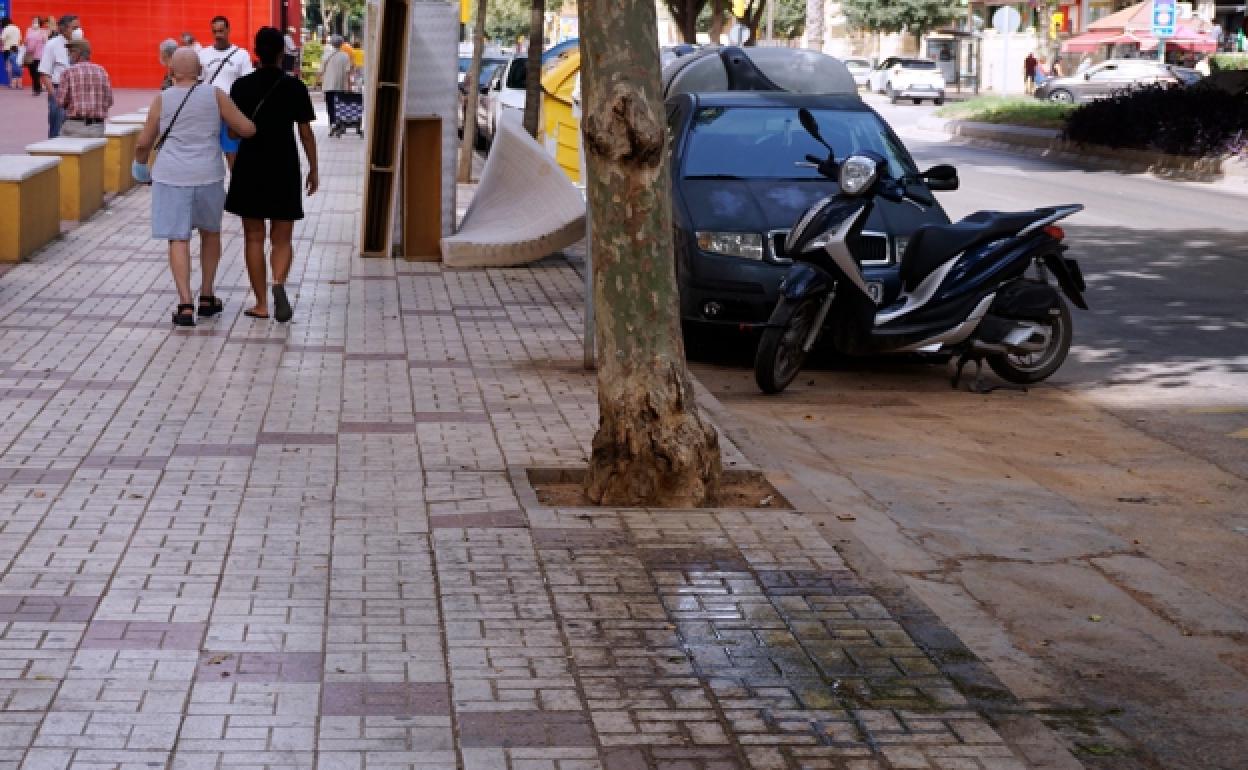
{"x": 978, "y": 289}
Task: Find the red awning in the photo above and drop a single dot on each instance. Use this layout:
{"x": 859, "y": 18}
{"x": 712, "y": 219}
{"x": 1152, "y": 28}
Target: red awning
{"x": 1186, "y": 36}
{"x": 1090, "y": 41}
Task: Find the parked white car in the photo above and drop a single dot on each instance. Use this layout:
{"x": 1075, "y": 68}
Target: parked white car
{"x": 909, "y": 78}
{"x": 860, "y": 69}
{"x": 504, "y": 101}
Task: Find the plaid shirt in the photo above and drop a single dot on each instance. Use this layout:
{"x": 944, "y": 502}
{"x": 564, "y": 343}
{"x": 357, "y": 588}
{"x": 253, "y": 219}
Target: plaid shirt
{"x": 85, "y": 91}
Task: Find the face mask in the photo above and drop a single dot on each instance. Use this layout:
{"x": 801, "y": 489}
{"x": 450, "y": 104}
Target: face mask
{"x": 77, "y": 34}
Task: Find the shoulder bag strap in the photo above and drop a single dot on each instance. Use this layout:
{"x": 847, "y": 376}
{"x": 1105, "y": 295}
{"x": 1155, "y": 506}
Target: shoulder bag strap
{"x": 266, "y": 96}
{"x": 174, "y": 119}
{"x": 221, "y": 66}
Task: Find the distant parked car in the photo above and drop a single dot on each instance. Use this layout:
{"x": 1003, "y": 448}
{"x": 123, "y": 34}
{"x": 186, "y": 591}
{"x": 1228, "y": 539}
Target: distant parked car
{"x": 1106, "y": 78}
{"x": 504, "y": 99}
{"x": 860, "y": 69}
{"x": 488, "y": 68}
{"x": 909, "y": 78}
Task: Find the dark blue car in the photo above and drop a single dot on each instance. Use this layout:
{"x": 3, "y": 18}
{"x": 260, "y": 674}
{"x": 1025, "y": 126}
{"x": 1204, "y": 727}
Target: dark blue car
{"x": 737, "y": 192}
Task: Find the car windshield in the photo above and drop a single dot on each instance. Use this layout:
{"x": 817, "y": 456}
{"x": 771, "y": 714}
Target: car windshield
{"x": 766, "y": 142}
{"x": 918, "y": 64}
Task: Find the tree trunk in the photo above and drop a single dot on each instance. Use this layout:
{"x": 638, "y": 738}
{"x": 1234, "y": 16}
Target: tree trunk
{"x": 472, "y": 82}
{"x": 685, "y": 14}
{"x": 652, "y": 447}
{"x": 814, "y": 24}
{"x": 718, "y": 7}
{"x": 533, "y": 84}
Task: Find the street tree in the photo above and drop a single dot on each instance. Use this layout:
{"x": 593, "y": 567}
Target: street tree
{"x": 533, "y": 83}
{"x": 652, "y": 447}
{"x": 472, "y": 84}
{"x": 686, "y": 13}
{"x": 507, "y": 20}
{"x": 815, "y": 19}
{"x": 916, "y": 17}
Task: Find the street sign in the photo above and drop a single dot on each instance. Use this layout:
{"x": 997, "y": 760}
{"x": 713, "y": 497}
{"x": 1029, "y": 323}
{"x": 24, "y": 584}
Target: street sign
{"x": 1164, "y": 14}
{"x": 1006, "y": 20}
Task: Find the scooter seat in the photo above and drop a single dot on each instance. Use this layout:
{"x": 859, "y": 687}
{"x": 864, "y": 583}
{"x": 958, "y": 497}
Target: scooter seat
{"x": 933, "y": 245}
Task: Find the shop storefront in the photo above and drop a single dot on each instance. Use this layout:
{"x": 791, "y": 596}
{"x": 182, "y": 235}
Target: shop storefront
{"x": 125, "y": 36}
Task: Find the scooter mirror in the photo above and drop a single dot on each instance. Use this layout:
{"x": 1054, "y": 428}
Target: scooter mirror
{"x": 941, "y": 178}
{"x": 812, "y": 126}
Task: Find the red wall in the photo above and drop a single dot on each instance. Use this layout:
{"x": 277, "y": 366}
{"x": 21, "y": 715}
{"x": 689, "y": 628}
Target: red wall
{"x": 126, "y": 34}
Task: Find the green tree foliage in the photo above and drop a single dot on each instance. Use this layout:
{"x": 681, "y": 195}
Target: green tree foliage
{"x": 790, "y": 19}
{"x": 507, "y": 21}
{"x": 913, "y": 16}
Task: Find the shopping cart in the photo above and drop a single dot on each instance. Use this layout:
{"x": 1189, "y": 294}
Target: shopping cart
{"x": 347, "y": 107}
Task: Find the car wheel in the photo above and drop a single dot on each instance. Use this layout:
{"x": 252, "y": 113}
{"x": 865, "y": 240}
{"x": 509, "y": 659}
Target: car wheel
{"x": 939, "y": 101}
{"x": 1062, "y": 95}
{"x": 917, "y": 101}
{"x": 893, "y": 95}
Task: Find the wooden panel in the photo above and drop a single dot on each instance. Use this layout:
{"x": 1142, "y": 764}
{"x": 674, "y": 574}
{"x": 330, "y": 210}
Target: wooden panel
{"x": 422, "y": 189}
{"x": 385, "y": 128}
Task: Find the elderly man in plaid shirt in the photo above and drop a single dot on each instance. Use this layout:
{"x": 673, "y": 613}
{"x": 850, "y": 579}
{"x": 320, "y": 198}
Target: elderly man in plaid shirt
{"x": 86, "y": 94}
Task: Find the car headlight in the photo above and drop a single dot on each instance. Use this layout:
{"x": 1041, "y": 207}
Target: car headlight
{"x": 858, "y": 173}
{"x": 744, "y": 245}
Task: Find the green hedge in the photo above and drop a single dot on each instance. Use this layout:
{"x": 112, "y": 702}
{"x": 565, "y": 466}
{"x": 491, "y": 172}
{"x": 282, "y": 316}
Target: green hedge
{"x": 1195, "y": 122}
{"x": 1013, "y": 110}
{"x": 1228, "y": 61}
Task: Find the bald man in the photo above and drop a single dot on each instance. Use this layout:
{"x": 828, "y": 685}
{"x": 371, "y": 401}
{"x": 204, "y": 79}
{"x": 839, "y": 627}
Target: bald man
{"x": 188, "y": 177}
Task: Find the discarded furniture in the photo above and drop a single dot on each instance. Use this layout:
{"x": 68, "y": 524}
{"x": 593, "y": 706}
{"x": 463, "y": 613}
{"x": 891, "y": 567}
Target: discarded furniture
{"x": 29, "y": 205}
{"x": 384, "y": 99}
{"x": 81, "y": 173}
{"x": 118, "y": 155}
{"x": 430, "y": 145}
{"x": 525, "y": 209}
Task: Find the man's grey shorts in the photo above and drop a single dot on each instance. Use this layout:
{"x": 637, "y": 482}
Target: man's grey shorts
{"x": 178, "y": 210}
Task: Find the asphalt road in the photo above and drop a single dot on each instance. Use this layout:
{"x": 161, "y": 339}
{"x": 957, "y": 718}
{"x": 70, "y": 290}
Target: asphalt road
{"x": 1084, "y": 538}
{"x": 1165, "y": 342}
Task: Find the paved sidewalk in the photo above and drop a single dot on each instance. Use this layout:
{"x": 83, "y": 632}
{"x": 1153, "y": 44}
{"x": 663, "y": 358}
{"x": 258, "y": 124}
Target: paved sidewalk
{"x": 250, "y": 545}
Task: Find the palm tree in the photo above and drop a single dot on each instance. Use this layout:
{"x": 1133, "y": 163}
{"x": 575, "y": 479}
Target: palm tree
{"x": 814, "y": 24}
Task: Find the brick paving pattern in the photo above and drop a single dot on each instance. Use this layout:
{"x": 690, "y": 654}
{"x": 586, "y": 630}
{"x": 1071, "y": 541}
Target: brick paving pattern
{"x": 261, "y": 546}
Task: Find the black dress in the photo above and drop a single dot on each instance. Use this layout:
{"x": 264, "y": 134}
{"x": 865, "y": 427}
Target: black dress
{"x": 267, "y": 182}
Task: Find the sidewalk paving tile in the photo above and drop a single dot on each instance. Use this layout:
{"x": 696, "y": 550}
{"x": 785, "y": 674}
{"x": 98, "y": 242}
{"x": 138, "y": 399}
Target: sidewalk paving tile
{"x": 253, "y": 545}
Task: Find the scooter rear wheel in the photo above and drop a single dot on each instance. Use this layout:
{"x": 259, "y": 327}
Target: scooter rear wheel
{"x": 1025, "y": 370}
{"x": 780, "y": 356}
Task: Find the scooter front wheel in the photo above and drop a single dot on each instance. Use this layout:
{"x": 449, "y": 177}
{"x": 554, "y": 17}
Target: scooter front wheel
{"x": 780, "y": 355}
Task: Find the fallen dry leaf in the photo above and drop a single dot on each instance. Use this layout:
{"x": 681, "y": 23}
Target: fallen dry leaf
{"x": 1095, "y": 618}
{"x": 846, "y": 517}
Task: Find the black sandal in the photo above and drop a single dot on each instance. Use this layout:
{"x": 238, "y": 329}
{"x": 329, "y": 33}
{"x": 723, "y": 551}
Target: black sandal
{"x": 184, "y": 315}
{"x": 209, "y": 306}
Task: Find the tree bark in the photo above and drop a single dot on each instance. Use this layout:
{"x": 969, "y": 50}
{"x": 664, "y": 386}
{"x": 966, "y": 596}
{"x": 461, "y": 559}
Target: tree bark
{"x": 718, "y": 7}
{"x": 652, "y": 447}
{"x": 814, "y": 24}
{"x": 533, "y": 83}
{"x": 472, "y": 82}
{"x": 685, "y": 13}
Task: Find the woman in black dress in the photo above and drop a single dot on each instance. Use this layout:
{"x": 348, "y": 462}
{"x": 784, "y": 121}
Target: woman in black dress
{"x": 265, "y": 188}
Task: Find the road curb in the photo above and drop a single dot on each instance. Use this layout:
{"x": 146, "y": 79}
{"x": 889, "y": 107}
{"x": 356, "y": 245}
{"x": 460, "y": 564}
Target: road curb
{"x": 1049, "y": 143}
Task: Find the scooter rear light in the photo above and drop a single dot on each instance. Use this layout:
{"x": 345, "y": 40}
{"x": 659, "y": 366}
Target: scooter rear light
{"x": 1055, "y": 232}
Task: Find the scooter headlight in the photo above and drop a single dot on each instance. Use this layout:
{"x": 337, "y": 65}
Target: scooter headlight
{"x": 858, "y": 173}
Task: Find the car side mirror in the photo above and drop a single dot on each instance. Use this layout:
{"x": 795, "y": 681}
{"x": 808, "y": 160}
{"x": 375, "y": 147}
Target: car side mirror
{"x": 943, "y": 178}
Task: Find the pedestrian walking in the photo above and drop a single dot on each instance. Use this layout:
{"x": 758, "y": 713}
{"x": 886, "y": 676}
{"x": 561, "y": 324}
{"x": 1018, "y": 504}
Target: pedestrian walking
{"x": 224, "y": 63}
{"x": 53, "y": 65}
{"x": 11, "y": 41}
{"x": 36, "y": 38}
{"x": 266, "y": 186}
{"x": 167, "y": 48}
{"x": 335, "y": 79}
{"x": 188, "y": 177}
{"x": 1029, "y": 73}
{"x": 86, "y": 94}
{"x": 290, "y": 57}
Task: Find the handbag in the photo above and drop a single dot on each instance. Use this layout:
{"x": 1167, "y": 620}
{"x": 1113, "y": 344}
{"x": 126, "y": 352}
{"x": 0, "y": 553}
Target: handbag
{"x": 141, "y": 172}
